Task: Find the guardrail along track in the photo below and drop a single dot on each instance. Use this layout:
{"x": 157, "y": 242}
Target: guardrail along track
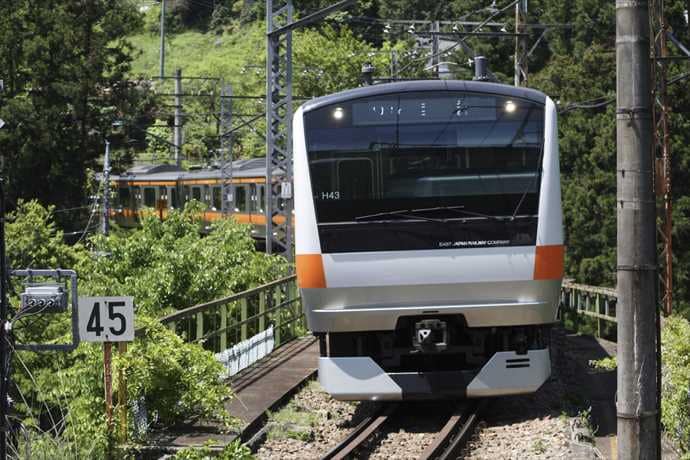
{"x": 366, "y": 429}
{"x": 456, "y": 432}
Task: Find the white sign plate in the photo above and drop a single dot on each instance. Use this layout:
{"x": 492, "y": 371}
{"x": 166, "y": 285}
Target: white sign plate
{"x": 106, "y": 319}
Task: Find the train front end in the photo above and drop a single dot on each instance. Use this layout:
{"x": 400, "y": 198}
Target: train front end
{"x": 429, "y": 241}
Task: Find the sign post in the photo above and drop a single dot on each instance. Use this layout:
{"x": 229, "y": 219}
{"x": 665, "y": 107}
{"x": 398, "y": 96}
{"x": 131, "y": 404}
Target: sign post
{"x": 108, "y": 320}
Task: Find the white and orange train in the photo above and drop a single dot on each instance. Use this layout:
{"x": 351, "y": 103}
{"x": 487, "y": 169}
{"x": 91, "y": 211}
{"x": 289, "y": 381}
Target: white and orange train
{"x": 429, "y": 239}
{"x": 161, "y": 188}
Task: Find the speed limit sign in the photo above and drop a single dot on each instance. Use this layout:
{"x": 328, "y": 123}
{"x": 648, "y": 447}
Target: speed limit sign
{"x": 106, "y": 319}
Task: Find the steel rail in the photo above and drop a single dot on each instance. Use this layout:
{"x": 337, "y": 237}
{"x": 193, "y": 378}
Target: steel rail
{"x": 456, "y": 432}
{"x": 362, "y": 432}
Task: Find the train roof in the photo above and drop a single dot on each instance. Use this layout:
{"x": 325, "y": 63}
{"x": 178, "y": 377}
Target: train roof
{"x": 253, "y": 167}
{"x": 426, "y": 85}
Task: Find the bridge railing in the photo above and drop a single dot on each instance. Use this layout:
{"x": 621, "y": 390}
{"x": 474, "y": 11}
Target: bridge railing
{"x": 222, "y": 323}
{"x": 597, "y": 303}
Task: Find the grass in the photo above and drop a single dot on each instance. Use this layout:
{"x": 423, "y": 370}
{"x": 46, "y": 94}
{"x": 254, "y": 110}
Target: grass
{"x": 230, "y": 56}
{"x": 604, "y": 364}
{"x": 293, "y": 421}
{"x": 539, "y": 447}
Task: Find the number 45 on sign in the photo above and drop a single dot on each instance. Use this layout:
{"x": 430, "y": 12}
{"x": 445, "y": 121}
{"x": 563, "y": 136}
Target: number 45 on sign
{"x": 106, "y": 319}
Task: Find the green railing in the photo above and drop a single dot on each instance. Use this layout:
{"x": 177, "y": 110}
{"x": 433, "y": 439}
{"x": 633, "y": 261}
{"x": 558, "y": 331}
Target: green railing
{"x": 596, "y": 303}
{"x": 221, "y": 323}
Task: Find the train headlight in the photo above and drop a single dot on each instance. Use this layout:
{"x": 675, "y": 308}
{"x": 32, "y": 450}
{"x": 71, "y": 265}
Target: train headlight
{"x": 510, "y": 106}
{"x": 338, "y": 113}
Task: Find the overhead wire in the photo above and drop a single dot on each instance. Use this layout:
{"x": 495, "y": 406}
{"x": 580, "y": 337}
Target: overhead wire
{"x": 460, "y": 40}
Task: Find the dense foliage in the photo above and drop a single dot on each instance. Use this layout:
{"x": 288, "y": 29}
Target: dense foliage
{"x": 63, "y": 66}
{"x": 675, "y": 403}
{"x": 165, "y": 265}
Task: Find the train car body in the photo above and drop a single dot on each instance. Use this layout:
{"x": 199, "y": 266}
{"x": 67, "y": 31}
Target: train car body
{"x": 429, "y": 241}
{"x": 161, "y": 188}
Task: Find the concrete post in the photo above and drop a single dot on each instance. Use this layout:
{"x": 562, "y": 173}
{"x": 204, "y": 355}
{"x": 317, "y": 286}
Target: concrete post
{"x": 636, "y": 218}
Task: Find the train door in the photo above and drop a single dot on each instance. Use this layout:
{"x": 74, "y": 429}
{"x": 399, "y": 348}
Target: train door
{"x": 186, "y": 194}
{"x": 149, "y": 197}
{"x": 196, "y": 193}
{"x": 253, "y": 202}
{"x": 217, "y": 204}
{"x": 173, "y": 202}
{"x": 162, "y": 202}
{"x": 241, "y": 203}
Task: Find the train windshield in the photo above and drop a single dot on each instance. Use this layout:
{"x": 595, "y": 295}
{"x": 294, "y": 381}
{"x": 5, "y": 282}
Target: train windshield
{"x": 426, "y": 157}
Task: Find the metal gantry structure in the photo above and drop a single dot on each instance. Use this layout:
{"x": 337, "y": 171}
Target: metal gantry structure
{"x": 227, "y": 191}
{"x": 662, "y": 150}
{"x": 279, "y": 202}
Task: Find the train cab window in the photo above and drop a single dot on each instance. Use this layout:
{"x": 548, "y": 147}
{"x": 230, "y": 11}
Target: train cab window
{"x": 217, "y": 201}
{"x": 173, "y": 198}
{"x": 241, "y": 198}
{"x": 149, "y": 197}
{"x": 196, "y": 193}
{"x": 123, "y": 197}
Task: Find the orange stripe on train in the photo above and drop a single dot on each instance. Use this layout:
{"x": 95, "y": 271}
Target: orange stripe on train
{"x": 548, "y": 262}
{"x": 310, "y": 272}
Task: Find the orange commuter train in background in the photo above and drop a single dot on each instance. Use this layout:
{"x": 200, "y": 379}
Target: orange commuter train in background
{"x": 167, "y": 187}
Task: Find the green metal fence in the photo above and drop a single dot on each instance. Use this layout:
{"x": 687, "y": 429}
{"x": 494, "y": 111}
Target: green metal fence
{"x": 597, "y": 303}
{"x": 221, "y": 323}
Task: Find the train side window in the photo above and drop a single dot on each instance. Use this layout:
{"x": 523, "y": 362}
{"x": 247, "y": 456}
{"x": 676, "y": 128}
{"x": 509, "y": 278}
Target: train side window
{"x": 217, "y": 201}
{"x": 241, "y": 198}
{"x": 187, "y": 193}
{"x": 149, "y": 197}
{"x": 196, "y": 193}
{"x": 173, "y": 198}
{"x": 123, "y": 197}
{"x": 136, "y": 196}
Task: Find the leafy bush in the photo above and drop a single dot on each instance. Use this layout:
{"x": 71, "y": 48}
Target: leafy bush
{"x": 169, "y": 265}
{"x": 178, "y": 381}
{"x": 675, "y": 403}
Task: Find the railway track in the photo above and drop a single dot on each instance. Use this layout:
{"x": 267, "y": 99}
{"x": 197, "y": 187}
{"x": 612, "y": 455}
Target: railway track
{"x": 448, "y": 443}
{"x": 367, "y": 429}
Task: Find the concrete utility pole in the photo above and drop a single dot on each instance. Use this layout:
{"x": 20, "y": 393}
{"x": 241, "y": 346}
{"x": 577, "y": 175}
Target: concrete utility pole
{"x": 636, "y": 311}
{"x": 177, "y": 129}
{"x": 106, "y": 189}
{"x": 435, "y": 49}
{"x": 521, "y": 52}
{"x": 162, "y": 52}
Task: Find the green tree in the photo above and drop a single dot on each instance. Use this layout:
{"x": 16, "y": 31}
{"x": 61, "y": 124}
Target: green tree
{"x": 65, "y": 85}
